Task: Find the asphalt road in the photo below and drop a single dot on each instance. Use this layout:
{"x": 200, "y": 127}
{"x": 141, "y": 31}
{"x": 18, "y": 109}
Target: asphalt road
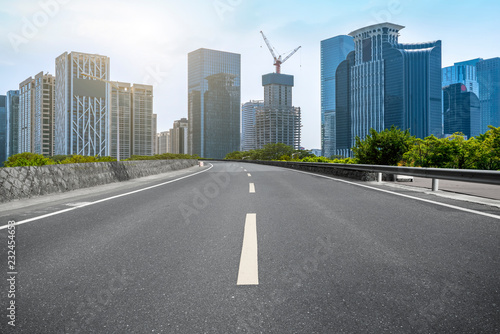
{"x": 199, "y": 252}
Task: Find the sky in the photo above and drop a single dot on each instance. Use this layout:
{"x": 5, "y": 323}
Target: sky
{"x": 148, "y": 40}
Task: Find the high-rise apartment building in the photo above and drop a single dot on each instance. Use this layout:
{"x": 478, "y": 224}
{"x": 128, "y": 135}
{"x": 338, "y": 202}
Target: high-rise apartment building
{"x": 333, "y": 52}
{"x": 82, "y": 104}
{"x": 3, "y": 129}
{"x": 392, "y": 83}
{"x": 179, "y": 137}
{"x": 12, "y": 122}
{"x": 26, "y": 115}
{"x": 213, "y": 102}
{"x": 278, "y": 121}
{"x": 248, "y": 112}
{"x": 463, "y": 72}
{"x": 461, "y": 111}
{"x": 488, "y": 77}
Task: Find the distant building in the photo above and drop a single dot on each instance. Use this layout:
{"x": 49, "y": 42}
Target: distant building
{"x": 82, "y": 105}
{"x": 248, "y": 111}
{"x": 461, "y": 111}
{"x": 36, "y": 110}
{"x": 142, "y": 119}
{"x": 121, "y": 99}
{"x": 3, "y": 129}
{"x": 154, "y": 129}
{"x": 391, "y": 84}
{"x": 164, "y": 145}
{"x": 278, "y": 121}
{"x": 488, "y": 77}
{"x": 462, "y": 72}
{"x": 316, "y": 152}
{"x": 213, "y": 103}
{"x": 333, "y": 52}
{"x": 179, "y": 137}
{"x": 12, "y": 122}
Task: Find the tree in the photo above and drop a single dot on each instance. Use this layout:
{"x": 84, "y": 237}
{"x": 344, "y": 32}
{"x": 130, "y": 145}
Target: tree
{"x": 383, "y": 148}
{"x": 27, "y": 159}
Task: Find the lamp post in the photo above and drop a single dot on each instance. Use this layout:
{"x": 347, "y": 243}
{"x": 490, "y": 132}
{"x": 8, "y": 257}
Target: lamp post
{"x": 117, "y": 110}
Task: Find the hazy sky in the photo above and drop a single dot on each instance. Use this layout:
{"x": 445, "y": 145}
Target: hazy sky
{"x": 148, "y": 40}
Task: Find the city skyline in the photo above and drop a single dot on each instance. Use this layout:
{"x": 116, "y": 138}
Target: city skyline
{"x": 162, "y": 34}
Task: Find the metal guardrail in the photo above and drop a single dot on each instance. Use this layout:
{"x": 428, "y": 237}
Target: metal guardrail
{"x": 436, "y": 174}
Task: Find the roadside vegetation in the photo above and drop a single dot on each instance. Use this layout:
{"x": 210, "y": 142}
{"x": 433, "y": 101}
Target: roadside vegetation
{"x": 395, "y": 147}
{"x": 32, "y": 159}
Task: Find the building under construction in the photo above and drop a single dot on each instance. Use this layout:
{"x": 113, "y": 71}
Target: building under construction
{"x": 277, "y": 121}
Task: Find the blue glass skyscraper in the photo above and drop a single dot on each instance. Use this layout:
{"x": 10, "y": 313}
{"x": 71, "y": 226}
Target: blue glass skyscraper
{"x": 463, "y": 72}
{"x": 214, "y": 102}
{"x": 461, "y": 111}
{"x": 488, "y": 77}
{"x": 333, "y": 52}
{"x": 390, "y": 84}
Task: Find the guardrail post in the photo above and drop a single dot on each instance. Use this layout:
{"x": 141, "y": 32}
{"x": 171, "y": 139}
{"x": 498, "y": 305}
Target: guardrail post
{"x": 379, "y": 177}
{"x": 435, "y": 184}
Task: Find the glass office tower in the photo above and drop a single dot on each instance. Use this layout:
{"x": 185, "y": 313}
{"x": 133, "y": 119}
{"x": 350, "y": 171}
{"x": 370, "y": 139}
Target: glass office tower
{"x": 463, "y": 72}
{"x": 248, "y": 136}
{"x": 390, "y": 84}
{"x": 488, "y": 77}
{"x": 214, "y": 103}
{"x": 461, "y": 111}
{"x": 333, "y": 52}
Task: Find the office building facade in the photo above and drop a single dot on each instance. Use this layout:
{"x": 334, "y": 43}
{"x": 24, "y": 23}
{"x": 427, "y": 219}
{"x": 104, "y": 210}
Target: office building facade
{"x": 120, "y": 108}
{"x": 82, "y": 104}
{"x": 278, "y": 121}
{"x": 393, "y": 84}
{"x": 464, "y": 72}
{"x": 333, "y": 52}
{"x": 142, "y": 119}
{"x": 12, "y": 122}
{"x": 488, "y": 76}
{"x": 164, "y": 144}
{"x": 248, "y": 137}
{"x": 154, "y": 130}
{"x": 461, "y": 110}
{"x": 179, "y": 137}
{"x": 214, "y": 102}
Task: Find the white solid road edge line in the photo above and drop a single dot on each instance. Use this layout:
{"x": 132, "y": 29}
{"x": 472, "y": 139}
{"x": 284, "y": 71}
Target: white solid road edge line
{"x": 102, "y": 200}
{"x": 248, "y": 273}
{"x": 403, "y": 195}
{"x": 251, "y": 187}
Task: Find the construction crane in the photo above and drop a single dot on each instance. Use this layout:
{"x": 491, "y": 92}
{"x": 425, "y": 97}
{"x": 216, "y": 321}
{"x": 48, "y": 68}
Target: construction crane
{"x": 277, "y": 60}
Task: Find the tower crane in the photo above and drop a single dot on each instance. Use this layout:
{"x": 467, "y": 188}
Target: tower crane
{"x": 277, "y": 59}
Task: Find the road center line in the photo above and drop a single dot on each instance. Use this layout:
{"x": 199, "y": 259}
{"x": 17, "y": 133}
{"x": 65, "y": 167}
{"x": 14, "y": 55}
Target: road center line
{"x": 103, "y": 200}
{"x": 249, "y": 174}
{"x": 248, "y": 273}
{"x": 252, "y": 188}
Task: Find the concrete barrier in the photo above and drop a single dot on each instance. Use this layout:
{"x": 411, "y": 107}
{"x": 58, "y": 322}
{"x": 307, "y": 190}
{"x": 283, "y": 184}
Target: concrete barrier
{"x": 26, "y": 182}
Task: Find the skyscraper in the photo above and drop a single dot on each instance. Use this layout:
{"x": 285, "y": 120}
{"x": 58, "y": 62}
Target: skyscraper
{"x": 278, "y": 121}
{"x": 164, "y": 142}
{"x": 179, "y": 136}
{"x": 82, "y": 104}
{"x": 333, "y": 52}
{"x": 26, "y": 115}
{"x": 392, "y": 83}
{"x": 154, "y": 133}
{"x": 121, "y": 98}
{"x": 461, "y": 111}
{"x": 3, "y": 129}
{"x": 43, "y": 109}
{"x": 248, "y": 111}
{"x": 213, "y": 103}
{"x": 463, "y": 72}
{"x": 488, "y": 77}
{"x": 12, "y": 122}
{"x": 142, "y": 119}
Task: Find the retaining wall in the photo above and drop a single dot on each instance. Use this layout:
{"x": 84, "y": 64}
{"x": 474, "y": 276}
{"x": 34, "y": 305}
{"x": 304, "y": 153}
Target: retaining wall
{"x": 25, "y": 182}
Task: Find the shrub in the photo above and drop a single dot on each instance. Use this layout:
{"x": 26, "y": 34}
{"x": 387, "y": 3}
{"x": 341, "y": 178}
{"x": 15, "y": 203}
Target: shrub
{"x": 27, "y": 159}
